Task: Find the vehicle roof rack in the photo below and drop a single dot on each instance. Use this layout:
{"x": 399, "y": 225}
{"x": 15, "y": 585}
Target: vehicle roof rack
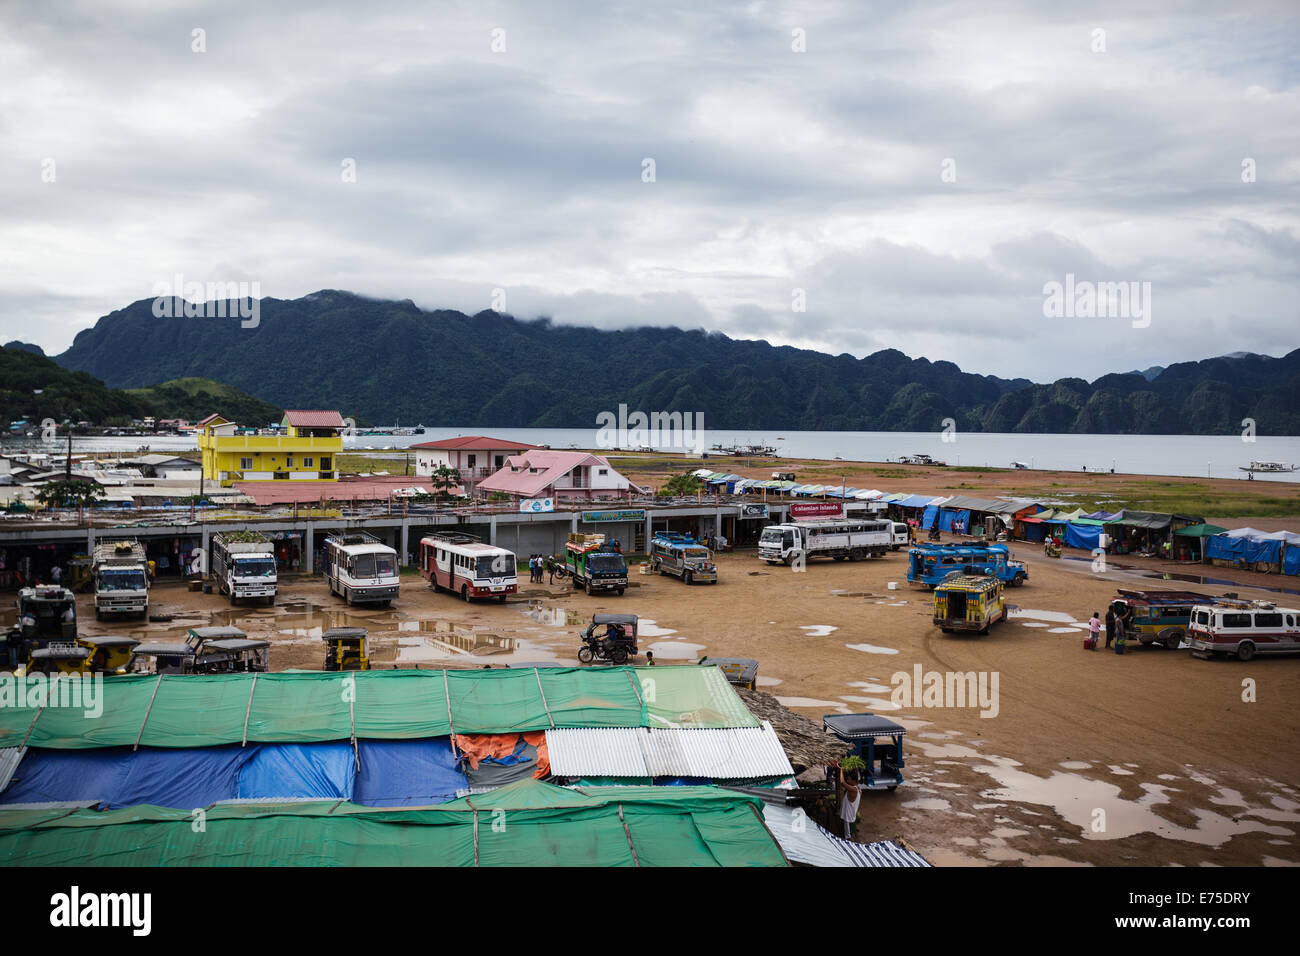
{"x": 456, "y": 537}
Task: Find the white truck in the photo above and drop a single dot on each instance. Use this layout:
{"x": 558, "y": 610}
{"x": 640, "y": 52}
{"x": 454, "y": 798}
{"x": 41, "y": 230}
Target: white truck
{"x": 121, "y": 574}
{"x": 837, "y": 538}
{"x": 243, "y": 565}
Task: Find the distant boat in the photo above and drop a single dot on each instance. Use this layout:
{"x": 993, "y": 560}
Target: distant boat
{"x": 1269, "y": 467}
{"x": 921, "y": 460}
{"x": 1019, "y": 465}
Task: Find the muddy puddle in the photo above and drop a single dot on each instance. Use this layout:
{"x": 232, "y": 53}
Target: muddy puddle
{"x": 1092, "y": 802}
{"x": 1147, "y": 574}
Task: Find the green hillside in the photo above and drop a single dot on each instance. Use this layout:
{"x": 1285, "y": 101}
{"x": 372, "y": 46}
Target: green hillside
{"x": 196, "y": 398}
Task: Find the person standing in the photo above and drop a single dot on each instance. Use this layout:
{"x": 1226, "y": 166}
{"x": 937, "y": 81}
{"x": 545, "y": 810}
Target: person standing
{"x": 550, "y": 568}
{"x": 1094, "y": 629}
{"x": 1110, "y": 625}
{"x": 56, "y": 574}
{"x": 850, "y": 798}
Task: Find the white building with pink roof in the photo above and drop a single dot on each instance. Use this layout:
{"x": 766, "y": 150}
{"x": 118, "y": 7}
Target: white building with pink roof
{"x": 542, "y": 473}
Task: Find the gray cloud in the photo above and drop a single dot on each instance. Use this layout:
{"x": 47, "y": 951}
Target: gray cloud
{"x": 775, "y": 170}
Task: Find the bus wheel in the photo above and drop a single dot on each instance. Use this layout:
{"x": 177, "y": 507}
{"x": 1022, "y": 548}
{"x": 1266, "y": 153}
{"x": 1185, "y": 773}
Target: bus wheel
{"x": 688, "y": 578}
{"x": 1018, "y": 580}
{"x": 464, "y": 592}
{"x": 501, "y": 598}
{"x": 1245, "y": 651}
{"x": 620, "y": 592}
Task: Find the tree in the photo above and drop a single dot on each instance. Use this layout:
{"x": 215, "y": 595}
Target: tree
{"x": 686, "y": 484}
{"x": 443, "y": 480}
{"x": 70, "y": 492}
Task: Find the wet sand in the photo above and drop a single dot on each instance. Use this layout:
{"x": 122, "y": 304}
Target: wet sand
{"x": 1093, "y": 758}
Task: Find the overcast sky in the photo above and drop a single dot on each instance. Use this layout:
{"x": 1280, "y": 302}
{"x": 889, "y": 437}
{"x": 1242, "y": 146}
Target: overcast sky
{"x": 1115, "y": 156}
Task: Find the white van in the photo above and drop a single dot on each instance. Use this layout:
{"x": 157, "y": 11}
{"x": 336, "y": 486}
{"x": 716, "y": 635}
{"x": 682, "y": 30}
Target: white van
{"x": 901, "y": 539}
{"x": 1244, "y": 629}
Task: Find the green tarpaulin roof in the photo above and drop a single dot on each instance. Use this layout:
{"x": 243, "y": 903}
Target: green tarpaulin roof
{"x": 525, "y": 824}
{"x": 300, "y": 707}
{"x": 1201, "y": 530}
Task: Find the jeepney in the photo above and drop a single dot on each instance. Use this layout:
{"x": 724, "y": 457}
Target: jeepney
{"x": 967, "y": 602}
{"x": 1157, "y": 616}
{"x": 682, "y": 556}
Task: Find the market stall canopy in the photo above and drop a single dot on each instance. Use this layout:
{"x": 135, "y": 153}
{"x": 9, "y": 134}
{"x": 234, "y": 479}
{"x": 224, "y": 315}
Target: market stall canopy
{"x": 1200, "y": 530}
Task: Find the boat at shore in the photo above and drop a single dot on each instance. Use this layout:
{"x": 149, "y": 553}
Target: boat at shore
{"x": 921, "y": 460}
{"x": 1269, "y": 467}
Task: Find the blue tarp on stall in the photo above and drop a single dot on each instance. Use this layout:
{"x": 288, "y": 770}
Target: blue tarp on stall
{"x": 322, "y": 770}
{"x": 121, "y": 777}
{"x": 1250, "y": 550}
{"x": 915, "y": 501}
{"x": 927, "y": 517}
{"x": 1291, "y": 560}
{"x": 407, "y": 773}
{"x": 948, "y": 516}
{"x": 1082, "y": 536}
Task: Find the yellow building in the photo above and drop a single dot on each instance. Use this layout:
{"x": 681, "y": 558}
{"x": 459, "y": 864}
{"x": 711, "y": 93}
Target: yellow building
{"x": 307, "y": 451}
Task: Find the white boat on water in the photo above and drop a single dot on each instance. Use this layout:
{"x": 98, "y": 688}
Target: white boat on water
{"x": 1269, "y": 467}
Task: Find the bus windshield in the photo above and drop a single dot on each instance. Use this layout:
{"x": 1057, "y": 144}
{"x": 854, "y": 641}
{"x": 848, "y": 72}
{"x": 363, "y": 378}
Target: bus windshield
{"x": 373, "y": 566}
{"x": 495, "y": 567}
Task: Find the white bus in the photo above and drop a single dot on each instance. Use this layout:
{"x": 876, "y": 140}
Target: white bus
{"x": 464, "y": 565}
{"x": 1243, "y": 629}
{"x": 361, "y": 569}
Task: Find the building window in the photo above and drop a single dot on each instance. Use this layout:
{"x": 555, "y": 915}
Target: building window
{"x": 473, "y": 460}
{"x": 603, "y": 471}
{"x": 288, "y": 461}
{"x": 306, "y": 462}
{"x": 324, "y": 463}
{"x": 246, "y": 464}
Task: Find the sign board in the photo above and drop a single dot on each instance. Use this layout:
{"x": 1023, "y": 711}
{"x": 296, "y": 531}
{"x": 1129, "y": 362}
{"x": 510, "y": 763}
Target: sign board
{"x": 816, "y": 509}
{"x": 530, "y": 506}
{"x": 635, "y": 514}
{"x": 753, "y": 511}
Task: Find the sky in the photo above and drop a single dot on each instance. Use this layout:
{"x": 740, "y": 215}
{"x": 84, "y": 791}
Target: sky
{"x": 842, "y": 176}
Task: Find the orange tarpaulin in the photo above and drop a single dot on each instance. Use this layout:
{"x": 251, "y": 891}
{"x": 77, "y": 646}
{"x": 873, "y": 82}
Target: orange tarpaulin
{"x": 477, "y": 747}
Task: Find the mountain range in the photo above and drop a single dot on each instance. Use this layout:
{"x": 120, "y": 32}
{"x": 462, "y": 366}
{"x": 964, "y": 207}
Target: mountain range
{"x": 390, "y": 361}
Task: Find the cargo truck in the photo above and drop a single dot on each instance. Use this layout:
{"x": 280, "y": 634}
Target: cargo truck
{"x": 121, "y": 574}
{"x": 837, "y": 538}
{"x": 594, "y": 563}
{"x": 243, "y": 565}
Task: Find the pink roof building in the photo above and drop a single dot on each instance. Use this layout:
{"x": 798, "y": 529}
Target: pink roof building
{"x": 475, "y": 457}
{"x": 543, "y": 473}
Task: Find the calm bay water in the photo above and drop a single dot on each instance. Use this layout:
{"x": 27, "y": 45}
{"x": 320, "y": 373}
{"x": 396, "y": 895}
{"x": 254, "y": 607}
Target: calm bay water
{"x": 1218, "y": 456}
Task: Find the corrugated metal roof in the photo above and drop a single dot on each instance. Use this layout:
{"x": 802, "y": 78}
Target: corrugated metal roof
{"x": 885, "y": 853}
{"x": 607, "y": 752}
{"x": 10, "y": 757}
{"x": 718, "y": 754}
{"x": 801, "y": 839}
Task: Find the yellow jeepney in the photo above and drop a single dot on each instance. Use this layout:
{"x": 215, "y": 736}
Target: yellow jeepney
{"x": 967, "y": 602}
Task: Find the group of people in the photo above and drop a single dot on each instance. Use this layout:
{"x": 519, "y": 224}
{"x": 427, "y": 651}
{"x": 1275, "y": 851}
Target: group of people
{"x": 1117, "y": 625}
{"x": 539, "y": 566}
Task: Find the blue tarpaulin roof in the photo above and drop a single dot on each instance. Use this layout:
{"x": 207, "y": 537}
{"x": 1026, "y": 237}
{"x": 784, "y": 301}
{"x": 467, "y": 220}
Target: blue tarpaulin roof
{"x": 393, "y": 773}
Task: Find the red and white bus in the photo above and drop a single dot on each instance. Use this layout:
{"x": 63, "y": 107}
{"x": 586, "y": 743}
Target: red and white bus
{"x": 464, "y": 565}
{"x": 1243, "y": 629}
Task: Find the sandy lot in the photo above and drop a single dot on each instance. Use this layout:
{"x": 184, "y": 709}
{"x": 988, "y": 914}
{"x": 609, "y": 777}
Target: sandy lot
{"x": 1149, "y": 758}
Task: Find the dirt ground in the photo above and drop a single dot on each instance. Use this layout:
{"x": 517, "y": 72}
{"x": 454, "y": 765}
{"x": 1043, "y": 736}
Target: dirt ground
{"x": 1152, "y": 757}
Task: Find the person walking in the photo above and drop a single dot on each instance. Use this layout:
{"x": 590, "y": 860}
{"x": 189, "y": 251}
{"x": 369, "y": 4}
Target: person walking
{"x": 550, "y": 568}
{"x": 1110, "y": 625}
{"x": 1094, "y": 628}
